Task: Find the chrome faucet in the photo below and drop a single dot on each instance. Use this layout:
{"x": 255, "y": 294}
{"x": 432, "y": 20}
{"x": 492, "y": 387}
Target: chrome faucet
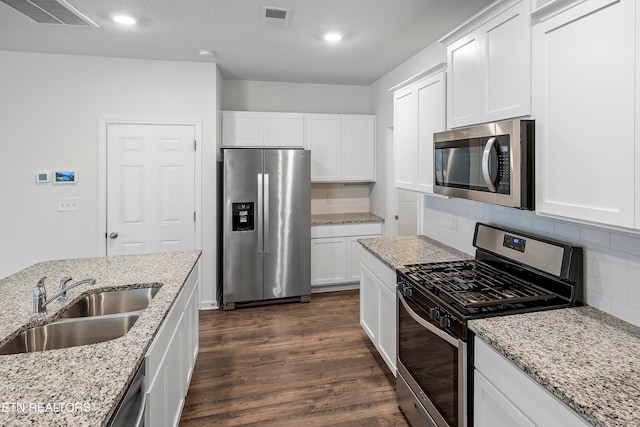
{"x": 40, "y": 300}
{"x": 62, "y": 286}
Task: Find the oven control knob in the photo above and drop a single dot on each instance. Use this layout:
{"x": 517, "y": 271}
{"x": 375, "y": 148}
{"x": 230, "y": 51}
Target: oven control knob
{"x": 445, "y": 321}
{"x": 408, "y": 291}
{"x": 435, "y": 313}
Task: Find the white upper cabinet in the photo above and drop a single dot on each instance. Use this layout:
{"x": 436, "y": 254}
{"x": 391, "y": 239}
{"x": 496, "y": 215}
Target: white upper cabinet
{"x": 342, "y": 147}
{"x": 419, "y": 112}
{"x": 584, "y": 100}
{"x": 257, "y": 129}
{"x": 489, "y": 67}
{"x": 358, "y": 148}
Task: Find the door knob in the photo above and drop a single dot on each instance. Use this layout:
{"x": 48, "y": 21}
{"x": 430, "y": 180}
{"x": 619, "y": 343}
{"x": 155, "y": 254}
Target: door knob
{"x": 113, "y": 235}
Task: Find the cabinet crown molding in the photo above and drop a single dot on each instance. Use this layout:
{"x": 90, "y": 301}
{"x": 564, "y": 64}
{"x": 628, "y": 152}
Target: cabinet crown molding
{"x": 431, "y": 70}
{"x": 489, "y": 12}
{"x": 552, "y": 8}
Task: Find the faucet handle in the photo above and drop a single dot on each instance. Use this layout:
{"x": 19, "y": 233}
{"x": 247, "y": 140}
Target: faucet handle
{"x": 63, "y": 282}
{"x": 41, "y": 288}
{"x": 39, "y": 297}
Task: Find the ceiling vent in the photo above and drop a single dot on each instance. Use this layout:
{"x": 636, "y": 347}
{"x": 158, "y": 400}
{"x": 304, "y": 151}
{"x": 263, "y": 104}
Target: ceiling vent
{"x": 51, "y": 12}
{"x": 274, "y": 17}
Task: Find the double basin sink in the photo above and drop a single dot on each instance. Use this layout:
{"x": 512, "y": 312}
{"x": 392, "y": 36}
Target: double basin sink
{"x": 97, "y": 317}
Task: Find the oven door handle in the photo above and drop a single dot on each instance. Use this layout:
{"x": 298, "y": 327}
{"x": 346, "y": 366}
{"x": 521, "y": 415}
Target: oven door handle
{"x": 448, "y": 338}
{"x": 486, "y": 159}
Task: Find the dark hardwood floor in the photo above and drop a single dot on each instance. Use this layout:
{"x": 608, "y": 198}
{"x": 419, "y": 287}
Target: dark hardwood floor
{"x": 290, "y": 365}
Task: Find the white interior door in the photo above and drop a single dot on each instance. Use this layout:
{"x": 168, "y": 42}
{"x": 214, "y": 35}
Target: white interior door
{"x": 150, "y": 188}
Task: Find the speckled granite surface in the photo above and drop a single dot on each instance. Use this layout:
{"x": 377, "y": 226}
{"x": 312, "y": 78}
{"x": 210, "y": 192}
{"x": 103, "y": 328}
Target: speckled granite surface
{"x": 404, "y": 250}
{"x": 588, "y": 359}
{"x": 81, "y": 386}
{"x": 345, "y": 218}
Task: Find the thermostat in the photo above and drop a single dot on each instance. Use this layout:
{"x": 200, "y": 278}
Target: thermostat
{"x": 65, "y": 177}
{"x": 43, "y": 177}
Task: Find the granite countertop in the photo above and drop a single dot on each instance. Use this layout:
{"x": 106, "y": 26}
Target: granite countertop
{"x": 345, "y": 218}
{"x": 404, "y": 250}
{"x": 589, "y": 359}
{"x": 81, "y": 385}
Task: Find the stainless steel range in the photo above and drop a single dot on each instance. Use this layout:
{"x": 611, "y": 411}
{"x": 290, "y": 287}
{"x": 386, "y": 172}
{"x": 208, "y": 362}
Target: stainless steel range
{"x": 513, "y": 272}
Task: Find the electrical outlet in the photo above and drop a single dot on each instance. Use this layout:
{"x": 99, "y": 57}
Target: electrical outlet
{"x": 68, "y": 204}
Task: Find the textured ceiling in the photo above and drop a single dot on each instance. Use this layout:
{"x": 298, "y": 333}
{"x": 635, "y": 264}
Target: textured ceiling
{"x": 380, "y": 34}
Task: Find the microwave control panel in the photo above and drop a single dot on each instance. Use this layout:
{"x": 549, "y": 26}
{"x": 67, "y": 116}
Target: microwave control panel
{"x": 504, "y": 165}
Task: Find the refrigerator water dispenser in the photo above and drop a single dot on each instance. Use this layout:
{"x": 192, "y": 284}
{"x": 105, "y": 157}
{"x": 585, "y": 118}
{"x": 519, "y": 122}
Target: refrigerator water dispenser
{"x": 242, "y": 216}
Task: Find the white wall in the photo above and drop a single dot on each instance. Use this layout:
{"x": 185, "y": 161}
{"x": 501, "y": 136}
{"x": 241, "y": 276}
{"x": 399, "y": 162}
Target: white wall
{"x": 250, "y": 95}
{"x": 50, "y": 107}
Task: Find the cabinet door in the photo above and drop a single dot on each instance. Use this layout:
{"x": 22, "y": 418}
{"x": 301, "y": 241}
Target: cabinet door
{"x": 242, "y": 129}
{"x": 584, "y": 103}
{"x": 405, "y": 117}
{"x": 492, "y": 409}
{"x": 464, "y": 81}
{"x": 283, "y": 130}
{"x": 328, "y": 261}
{"x": 324, "y": 141}
{"x": 155, "y": 412}
{"x": 175, "y": 387}
{"x": 358, "y": 148}
{"x": 431, "y": 119}
{"x": 369, "y": 285}
{"x": 353, "y": 258}
{"x": 506, "y": 56}
{"x": 387, "y": 326}
{"x": 190, "y": 338}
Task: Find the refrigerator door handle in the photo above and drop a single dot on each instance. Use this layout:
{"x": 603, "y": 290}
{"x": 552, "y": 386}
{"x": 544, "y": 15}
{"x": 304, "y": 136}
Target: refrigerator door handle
{"x": 265, "y": 222}
{"x": 260, "y": 213}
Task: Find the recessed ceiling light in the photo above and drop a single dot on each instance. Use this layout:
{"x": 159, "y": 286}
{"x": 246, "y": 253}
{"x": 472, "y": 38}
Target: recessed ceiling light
{"x": 124, "y": 19}
{"x": 206, "y": 53}
{"x": 333, "y": 37}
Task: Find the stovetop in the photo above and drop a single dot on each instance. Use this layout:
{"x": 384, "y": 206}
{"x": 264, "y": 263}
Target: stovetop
{"x": 473, "y": 288}
{"x": 473, "y": 284}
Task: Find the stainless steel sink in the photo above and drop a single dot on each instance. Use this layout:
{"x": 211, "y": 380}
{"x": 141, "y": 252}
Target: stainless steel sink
{"x": 71, "y": 333}
{"x": 111, "y": 302}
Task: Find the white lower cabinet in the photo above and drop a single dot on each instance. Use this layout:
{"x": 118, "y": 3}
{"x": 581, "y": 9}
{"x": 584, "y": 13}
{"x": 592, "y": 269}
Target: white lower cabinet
{"x": 171, "y": 357}
{"x": 378, "y": 306}
{"x": 335, "y": 254}
{"x": 504, "y": 396}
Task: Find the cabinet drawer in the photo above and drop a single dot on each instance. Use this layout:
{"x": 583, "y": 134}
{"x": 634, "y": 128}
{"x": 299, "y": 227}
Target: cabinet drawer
{"x": 344, "y": 230}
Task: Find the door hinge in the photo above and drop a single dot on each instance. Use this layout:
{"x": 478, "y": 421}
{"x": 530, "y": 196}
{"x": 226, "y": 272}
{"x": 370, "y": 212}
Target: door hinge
{"x": 195, "y": 145}
{"x": 194, "y": 216}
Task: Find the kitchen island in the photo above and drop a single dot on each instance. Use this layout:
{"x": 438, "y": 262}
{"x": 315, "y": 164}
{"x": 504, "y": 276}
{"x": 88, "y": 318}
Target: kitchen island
{"x": 82, "y": 385}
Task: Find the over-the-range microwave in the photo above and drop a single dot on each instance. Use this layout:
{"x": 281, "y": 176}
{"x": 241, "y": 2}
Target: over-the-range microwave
{"x": 491, "y": 163}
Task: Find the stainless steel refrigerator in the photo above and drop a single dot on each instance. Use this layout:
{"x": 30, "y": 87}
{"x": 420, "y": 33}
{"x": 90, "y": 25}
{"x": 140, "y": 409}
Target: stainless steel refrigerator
{"x": 266, "y": 246}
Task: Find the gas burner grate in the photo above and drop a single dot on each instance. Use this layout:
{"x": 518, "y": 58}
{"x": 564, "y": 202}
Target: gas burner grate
{"x": 475, "y": 285}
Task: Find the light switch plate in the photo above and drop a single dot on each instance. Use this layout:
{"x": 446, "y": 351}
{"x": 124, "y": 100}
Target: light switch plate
{"x": 68, "y": 204}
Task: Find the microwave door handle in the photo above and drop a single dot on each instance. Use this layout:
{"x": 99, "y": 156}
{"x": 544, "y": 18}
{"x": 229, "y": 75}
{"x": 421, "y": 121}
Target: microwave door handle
{"x": 486, "y": 158}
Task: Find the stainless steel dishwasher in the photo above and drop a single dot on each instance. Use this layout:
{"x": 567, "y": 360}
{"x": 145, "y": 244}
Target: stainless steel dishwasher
{"x": 130, "y": 411}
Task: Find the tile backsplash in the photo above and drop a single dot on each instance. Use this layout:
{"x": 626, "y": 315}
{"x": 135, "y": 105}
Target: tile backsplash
{"x": 612, "y": 258}
{"x": 339, "y": 198}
